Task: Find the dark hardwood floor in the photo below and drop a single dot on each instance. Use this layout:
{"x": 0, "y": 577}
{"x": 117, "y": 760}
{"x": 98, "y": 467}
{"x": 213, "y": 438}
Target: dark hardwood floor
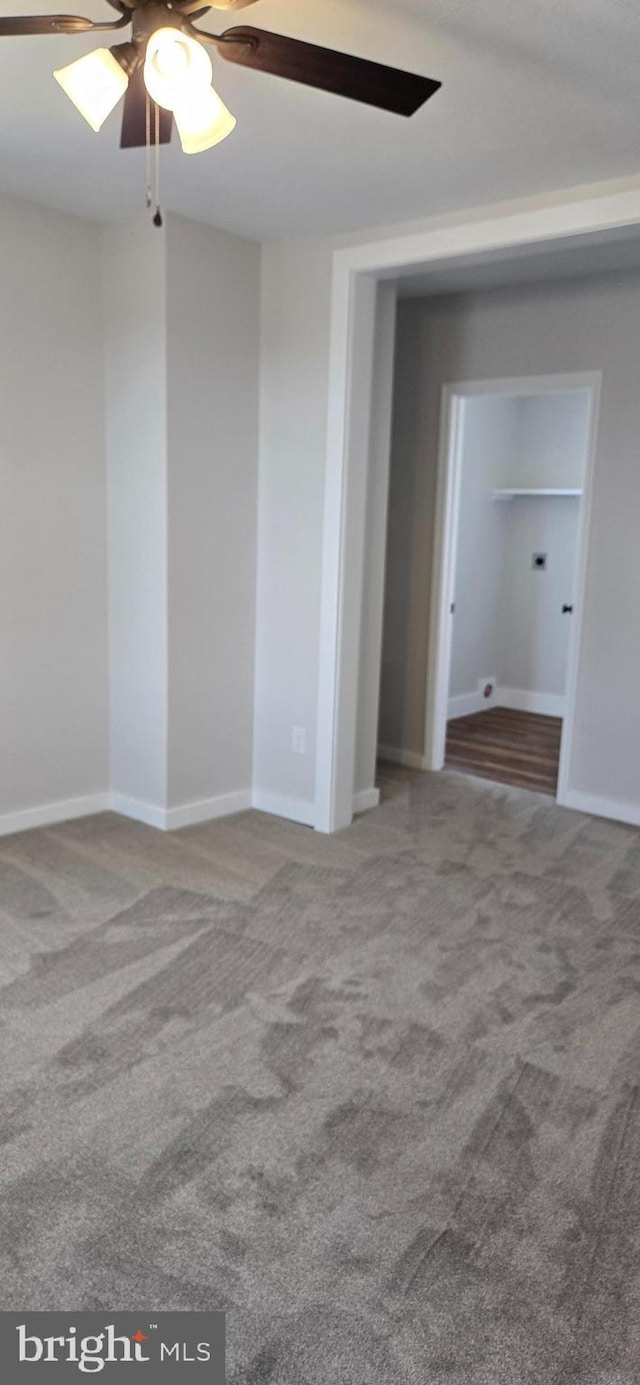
{"x": 520, "y": 748}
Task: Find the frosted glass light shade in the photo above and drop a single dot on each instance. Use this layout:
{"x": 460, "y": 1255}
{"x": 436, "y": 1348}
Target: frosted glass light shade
{"x": 95, "y": 84}
{"x": 175, "y": 66}
{"x": 202, "y": 120}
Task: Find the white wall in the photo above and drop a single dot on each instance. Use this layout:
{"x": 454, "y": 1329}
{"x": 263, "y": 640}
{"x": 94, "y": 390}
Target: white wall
{"x": 57, "y": 720}
{"x": 550, "y": 449}
{"x": 213, "y": 307}
{"x": 182, "y": 324}
{"x": 534, "y": 648}
{"x": 53, "y": 587}
{"x": 130, "y": 681}
{"x": 134, "y": 261}
{"x": 377, "y": 488}
{"x": 551, "y": 441}
{"x": 509, "y": 623}
{"x": 294, "y": 341}
{"x": 478, "y": 626}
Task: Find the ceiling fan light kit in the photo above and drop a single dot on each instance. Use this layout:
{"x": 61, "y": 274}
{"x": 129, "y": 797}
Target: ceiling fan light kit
{"x": 95, "y": 84}
{"x": 178, "y": 76}
{"x": 202, "y": 120}
{"x": 167, "y": 64}
{"x": 174, "y": 61}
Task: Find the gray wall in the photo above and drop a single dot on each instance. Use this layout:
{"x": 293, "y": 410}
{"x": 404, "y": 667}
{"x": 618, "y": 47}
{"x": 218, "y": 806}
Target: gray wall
{"x": 213, "y": 307}
{"x": 181, "y": 329}
{"x": 128, "y": 473}
{"x": 580, "y": 325}
{"x": 135, "y": 408}
{"x": 53, "y": 580}
{"x": 294, "y": 382}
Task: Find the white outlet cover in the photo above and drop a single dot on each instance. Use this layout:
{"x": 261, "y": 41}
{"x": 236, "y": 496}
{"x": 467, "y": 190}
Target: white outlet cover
{"x": 299, "y": 740}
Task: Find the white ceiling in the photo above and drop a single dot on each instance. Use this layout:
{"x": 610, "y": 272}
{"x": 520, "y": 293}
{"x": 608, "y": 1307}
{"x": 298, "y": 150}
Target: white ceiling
{"x": 537, "y": 95}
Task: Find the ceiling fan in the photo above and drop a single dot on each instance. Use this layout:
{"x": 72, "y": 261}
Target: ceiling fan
{"x": 165, "y": 62}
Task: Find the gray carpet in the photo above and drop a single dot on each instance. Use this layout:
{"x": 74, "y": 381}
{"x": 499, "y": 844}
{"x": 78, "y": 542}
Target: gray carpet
{"x": 375, "y": 1095}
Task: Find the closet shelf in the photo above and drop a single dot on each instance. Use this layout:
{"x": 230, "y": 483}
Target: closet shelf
{"x": 533, "y": 491}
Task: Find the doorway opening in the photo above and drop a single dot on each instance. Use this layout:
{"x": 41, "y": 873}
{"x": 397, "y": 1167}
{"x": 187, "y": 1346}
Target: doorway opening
{"x": 506, "y": 572}
{"x": 522, "y": 463}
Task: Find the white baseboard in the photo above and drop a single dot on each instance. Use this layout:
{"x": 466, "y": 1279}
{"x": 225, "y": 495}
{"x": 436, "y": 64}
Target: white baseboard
{"x": 522, "y": 700}
{"x": 49, "y": 813}
{"x": 366, "y": 799}
{"x": 163, "y": 819}
{"x": 171, "y": 819}
{"x": 601, "y": 807}
{"x": 137, "y": 809}
{"x": 280, "y": 806}
{"x": 206, "y": 809}
{"x": 394, "y": 755}
{"x": 186, "y": 815}
{"x": 466, "y": 704}
{"x": 518, "y": 699}
{"x": 302, "y": 811}
{"x": 294, "y": 810}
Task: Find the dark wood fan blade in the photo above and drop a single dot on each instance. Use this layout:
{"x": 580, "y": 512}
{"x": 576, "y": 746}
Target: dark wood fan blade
{"x": 386, "y": 87}
{"x": 44, "y": 24}
{"x": 134, "y": 118}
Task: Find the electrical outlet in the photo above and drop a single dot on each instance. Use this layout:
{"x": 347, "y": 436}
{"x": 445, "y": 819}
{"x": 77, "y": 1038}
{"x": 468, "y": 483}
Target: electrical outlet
{"x": 487, "y": 687}
{"x": 299, "y": 740}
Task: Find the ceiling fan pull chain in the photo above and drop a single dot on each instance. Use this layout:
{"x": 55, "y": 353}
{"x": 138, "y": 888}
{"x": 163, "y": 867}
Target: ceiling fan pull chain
{"x": 157, "y": 219}
{"x": 147, "y": 152}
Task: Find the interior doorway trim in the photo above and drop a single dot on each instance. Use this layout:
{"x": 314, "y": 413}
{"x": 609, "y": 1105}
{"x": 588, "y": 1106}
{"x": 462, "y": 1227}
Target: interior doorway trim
{"x": 454, "y": 400}
{"x": 599, "y": 212}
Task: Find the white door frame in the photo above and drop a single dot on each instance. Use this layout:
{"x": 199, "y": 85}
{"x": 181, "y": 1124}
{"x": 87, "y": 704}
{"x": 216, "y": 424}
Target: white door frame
{"x": 600, "y": 213}
{"x": 454, "y": 400}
